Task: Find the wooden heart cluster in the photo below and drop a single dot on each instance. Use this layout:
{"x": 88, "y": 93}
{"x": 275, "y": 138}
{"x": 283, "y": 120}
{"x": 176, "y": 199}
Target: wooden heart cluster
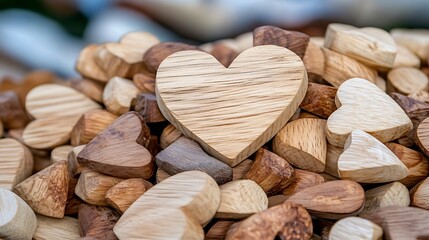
{"x": 269, "y": 135}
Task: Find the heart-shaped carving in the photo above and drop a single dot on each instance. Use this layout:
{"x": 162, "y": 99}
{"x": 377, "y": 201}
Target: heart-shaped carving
{"x": 363, "y": 106}
{"x": 231, "y": 111}
{"x": 120, "y": 149}
{"x": 175, "y": 208}
{"x": 56, "y": 109}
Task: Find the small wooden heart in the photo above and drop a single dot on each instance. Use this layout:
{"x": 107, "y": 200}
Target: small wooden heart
{"x": 231, "y": 111}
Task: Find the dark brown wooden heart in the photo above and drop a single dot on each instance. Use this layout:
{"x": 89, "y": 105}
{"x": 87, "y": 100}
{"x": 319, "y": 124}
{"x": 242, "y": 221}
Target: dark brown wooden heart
{"x": 120, "y": 150}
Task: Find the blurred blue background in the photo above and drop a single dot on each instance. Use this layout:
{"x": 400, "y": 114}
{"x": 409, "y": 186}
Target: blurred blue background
{"x": 48, "y": 34}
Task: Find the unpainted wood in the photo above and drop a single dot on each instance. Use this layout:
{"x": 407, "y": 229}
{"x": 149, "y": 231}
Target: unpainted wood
{"x": 303, "y": 144}
{"x": 227, "y": 107}
{"x": 314, "y": 61}
{"x": 186, "y": 155}
{"x": 406, "y": 80}
{"x": 422, "y": 136}
{"x": 97, "y": 222}
{"x": 87, "y": 66}
{"x": 66, "y": 228}
{"x": 218, "y": 230}
{"x": 147, "y": 107}
{"x": 12, "y": 113}
{"x": 416, "y": 40}
{"x": 73, "y": 165}
{"x": 118, "y": 94}
{"x": 169, "y": 135}
{"x": 61, "y": 153}
{"x": 145, "y": 82}
{"x": 355, "y": 228}
{"x": 240, "y": 199}
{"x": 359, "y": 103}
{"x": 367, "y": 160}
{"x": 405, "y": 58}
{"x": 332, "y": 155}
{"x": 239, "y": 171}
{"x": 319, "y": 100}
{"x": 303, "y": 180}
{"x": 420, "y": 195}
{"x": 223, "y": 53}
{"x": 123, "y": 194}
{"x": 88, "y": 87}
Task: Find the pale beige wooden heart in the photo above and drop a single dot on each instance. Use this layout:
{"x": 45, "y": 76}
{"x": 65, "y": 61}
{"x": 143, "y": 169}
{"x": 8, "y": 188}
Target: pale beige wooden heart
{"x": 231, "y": 111}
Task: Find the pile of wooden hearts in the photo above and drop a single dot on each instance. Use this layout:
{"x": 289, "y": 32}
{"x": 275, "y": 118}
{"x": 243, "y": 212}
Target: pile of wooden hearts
{"x": 272, "y": 134}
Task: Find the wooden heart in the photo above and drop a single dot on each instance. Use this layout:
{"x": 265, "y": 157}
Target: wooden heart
{"x": 363, "y": 106}
{"x": 56, "y": 109}
{"x": 120, "y": 149}
{"x": 16, "y": 163}
{"x": 176, "y": 208}
{"x": 367, "y": 160}
{"x": 231, "y": 111}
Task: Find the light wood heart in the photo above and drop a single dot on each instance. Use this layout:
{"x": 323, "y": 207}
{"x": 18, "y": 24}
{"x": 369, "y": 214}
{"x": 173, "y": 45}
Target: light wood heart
{"x": 363, "y": 106}
{"x": 367, "y": 160}
{"x": 56, "y": 110}
{"x": 231, "y": 111}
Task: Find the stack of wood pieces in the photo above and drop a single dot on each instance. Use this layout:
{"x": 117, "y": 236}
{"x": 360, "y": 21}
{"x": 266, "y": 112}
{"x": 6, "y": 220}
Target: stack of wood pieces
{"x": 271, "y": 135}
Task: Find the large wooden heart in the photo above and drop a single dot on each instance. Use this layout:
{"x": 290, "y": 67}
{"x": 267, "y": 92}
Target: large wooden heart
{"x": 231, "y": 111}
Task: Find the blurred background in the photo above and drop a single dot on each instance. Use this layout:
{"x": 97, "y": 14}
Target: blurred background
{"x": 49, "y": 34}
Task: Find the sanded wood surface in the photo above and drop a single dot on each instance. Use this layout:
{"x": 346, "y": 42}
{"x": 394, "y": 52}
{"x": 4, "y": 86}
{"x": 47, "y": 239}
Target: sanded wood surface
{"x": 123, "y": 194}
{"x": 186, "y": 201}
{"x": 119, "y": 150}
{"x": 17, "y": 219}
{"x": 405, "y": 58}
{"x": 87, "y": 66}
{"x": 367, "y": 160}
{"x": 303, "y": 144}
{"x": 240, "y": 199}
{"x": 355, "y": 228}
{"x": 246, "y": 103}
{"x": 66, "y": 228}
{"x": 417, "y": 40}
{"x": 420, "y": 195}
{"x": 46, "y": 191}
{"x": 422, "y": 136}
{"x": 391, "y": 194}
{"x": 319, "y": 100}
{"x": 303, "y": 180}
{"x": 186, "y": 155}
{"x": 372, "y": 46}
{"x": 61, "y": 153}
{"x": 406, "y": 80}
{"x": 97, "y": 222}
{"x": 16, "y": 163}
{"x": 118, "y": 94}
{"x": 360, "y": 103}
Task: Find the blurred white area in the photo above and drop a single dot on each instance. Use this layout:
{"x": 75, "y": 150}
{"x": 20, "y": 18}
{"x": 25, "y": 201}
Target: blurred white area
{"x": 38, "y": 42}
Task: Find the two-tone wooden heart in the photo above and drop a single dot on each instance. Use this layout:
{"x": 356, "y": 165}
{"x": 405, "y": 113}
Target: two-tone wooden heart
{"x": 231, "y": 111}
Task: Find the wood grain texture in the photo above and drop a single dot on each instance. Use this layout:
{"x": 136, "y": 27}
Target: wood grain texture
{"x": 416, "y": 40}
{"x": 56, "y": 109}
{"x": 303, "y": 144}
{"x": 319, "y": 100}
{"x": 303, "y": 180}
{"x": 240, "y": 199}
{"x": 218, "y": 230}
{"x": 372, "y": 46}
{"x": 46, "y": 191}
{"x": 331, "y": 200}
{"x": 169, "y": 135}
{"x": 86, "y": 65}
{"x": 286, "y": 221}
{"x": 12, "y": 114}
{"x": 367, "y": 160}
{"x": 416, "y": 162}
{"x": 239, "y": 171}
{"x": 314, "y": 61}
{"x": 51, "y": 228}
{"x": 161, "y": 175}
{"x": 359, "y": 103}
{"x": 147, "y": 107}
{"x": 97, "y": 222}
{"x": 88, "y": 87}
{"x": 270, "y": 171}
{"x": 89, "y": 125}
{"x": 227, "y": 110}
{"x": 339, "y": 68}
{"x": 120, "y": 149}
{"x": 420, "y": 195}
{"x": 17, "y": 220}
{"x": 157, "y": 53}
{"x": 416, "y": 110}
{"x": 73, "y": 165}
{"x": 16, "y": 163}
{"x": 406, "y": 80}
{"x": 124, "y": 59}
{"x": 270, "y": 35}
{"x": 422, "y": 136}
{"x": 60, "y": 153}
{"x": 421, "y": 96}
{"x": 123, "y": 194}
{"x": 145, "y": 82}
{"x": 391, "y": 194}
{"x": 186, "y": 201}
{"x": 405, "y": 58}
{"x": 332, "y": 155}
{"x": 93, "y": 186}
{"x": 355, "y": 228}
{"x": 118, "y": 94}
{"x": 381, "y": 83}
{"x": 186, "y": 155}
{"x": 401, "y": 223}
